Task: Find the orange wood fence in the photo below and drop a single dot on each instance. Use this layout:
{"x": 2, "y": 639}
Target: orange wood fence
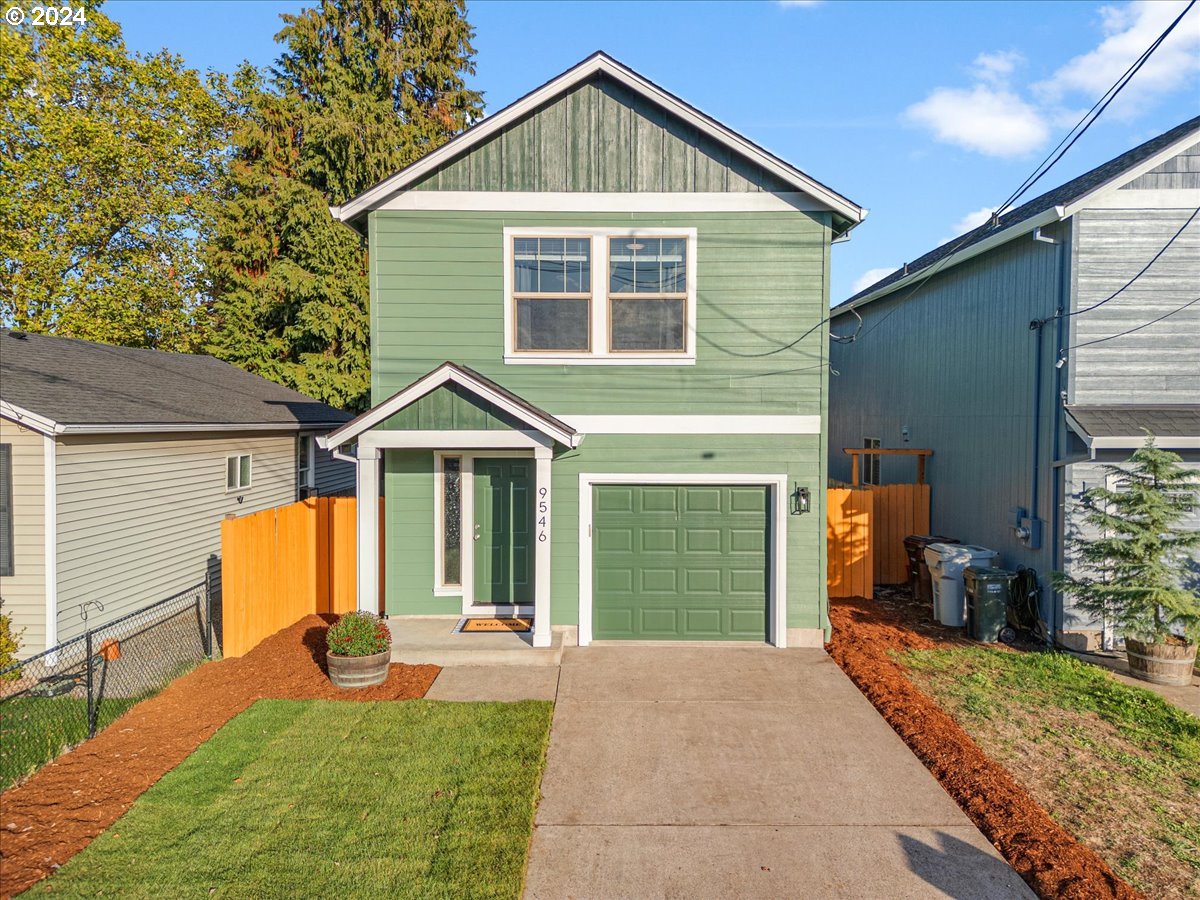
{"x": 866, "y": 531}
{"x": 282, "y": 564}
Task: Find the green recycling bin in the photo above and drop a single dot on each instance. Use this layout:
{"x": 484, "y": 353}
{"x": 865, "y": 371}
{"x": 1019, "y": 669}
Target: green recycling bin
{"x": 988, "y": 591}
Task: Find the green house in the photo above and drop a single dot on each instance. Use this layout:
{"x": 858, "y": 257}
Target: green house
{"x": 599, "y": 374}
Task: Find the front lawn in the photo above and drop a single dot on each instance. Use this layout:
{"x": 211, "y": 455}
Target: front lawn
{"x": 1116, "y": 766}
{"x": 329, "y": 799}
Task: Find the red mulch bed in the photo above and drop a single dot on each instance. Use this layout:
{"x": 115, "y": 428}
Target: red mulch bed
{"x": 1050, "y": 860}
{"x": 54, "y": 814}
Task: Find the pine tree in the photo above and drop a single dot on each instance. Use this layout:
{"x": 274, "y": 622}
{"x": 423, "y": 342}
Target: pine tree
{"x": 1134, "y": 563}
{"x": 362, "y": 89}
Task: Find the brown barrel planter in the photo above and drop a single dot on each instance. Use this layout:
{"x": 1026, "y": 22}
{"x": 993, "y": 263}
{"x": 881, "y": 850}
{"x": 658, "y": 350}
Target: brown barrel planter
{"x": 1161, "y": 663}
{"x": 358, "y": 671}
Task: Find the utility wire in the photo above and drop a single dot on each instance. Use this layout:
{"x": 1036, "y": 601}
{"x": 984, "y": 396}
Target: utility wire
{"x": 1091, "y": 115}
{"x": 1119, "y": 334}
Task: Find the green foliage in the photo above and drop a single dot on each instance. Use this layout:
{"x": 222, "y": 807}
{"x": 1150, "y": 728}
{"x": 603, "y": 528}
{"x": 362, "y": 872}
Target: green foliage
{"x": 358, "y": 634}
{"x": 362, "y": 89}
{"x": 323, "y": 799}
{"x": 1135, "y": 559}
{"x": 106, "y": 157}
{"x": 10, "y": 643}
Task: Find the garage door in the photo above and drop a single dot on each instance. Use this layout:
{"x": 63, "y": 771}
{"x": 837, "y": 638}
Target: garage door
{"x": 679, "y": 562}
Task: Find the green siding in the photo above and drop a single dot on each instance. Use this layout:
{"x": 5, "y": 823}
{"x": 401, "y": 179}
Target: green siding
{"x": 600, "y": 137}
{"x": 451, "y": 408}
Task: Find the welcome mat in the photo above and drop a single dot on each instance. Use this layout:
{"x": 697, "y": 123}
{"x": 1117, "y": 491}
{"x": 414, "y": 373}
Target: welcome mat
{"x": 493, "y": 624}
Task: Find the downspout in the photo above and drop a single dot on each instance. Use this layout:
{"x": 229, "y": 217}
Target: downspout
{"x": 1058, "y": 473}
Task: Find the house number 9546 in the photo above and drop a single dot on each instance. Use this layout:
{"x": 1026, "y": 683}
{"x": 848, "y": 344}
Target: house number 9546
{"x": 543, "y": 521}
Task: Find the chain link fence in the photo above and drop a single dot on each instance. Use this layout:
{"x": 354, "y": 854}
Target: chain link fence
{"x": 63, "y": 696}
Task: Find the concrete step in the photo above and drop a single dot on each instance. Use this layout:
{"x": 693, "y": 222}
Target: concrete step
{"x": 432, "y": 641}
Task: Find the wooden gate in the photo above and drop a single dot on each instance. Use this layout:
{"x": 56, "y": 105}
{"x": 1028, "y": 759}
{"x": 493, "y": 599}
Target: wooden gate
{"x": 282, "y": 564}
{"x": 866, "y": 531}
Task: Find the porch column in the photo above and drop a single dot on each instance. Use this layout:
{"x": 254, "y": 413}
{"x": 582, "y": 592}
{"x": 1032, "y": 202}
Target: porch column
{"x": 541, "y": 548}
{"x": 368, "y": 528}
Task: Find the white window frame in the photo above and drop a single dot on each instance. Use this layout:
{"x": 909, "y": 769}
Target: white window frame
{"x": 600, "y": 354}
{"x": 872, "y": 469}
{"x": 239, "y": 486}
{"x": 306, "y": 479}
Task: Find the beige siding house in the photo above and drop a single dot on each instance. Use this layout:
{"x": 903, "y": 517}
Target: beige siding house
{"x": 122, "y": 464}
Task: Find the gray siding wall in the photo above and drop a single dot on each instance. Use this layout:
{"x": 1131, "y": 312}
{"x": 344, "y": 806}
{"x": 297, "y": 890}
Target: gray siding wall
{"x": 1180, "y": 171}
{"x": 139, "y": 519}
{"x": 1160, "y": 363}
{"x": 333, "y": 476}
{"x": 956, "y": 365}
{"x": 600, "y": 137}
{"x": 23, "y": 594}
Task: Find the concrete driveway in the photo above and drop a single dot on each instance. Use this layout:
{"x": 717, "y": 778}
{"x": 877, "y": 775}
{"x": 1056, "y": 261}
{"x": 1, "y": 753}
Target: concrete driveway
{"x": 698, "y": 772}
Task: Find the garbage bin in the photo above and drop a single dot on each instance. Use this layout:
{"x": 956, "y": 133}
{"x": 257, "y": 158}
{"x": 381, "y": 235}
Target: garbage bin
{"x": 918, "y": 572}
{"x": 946, "y": 563}
{"x": 988, "y": 592}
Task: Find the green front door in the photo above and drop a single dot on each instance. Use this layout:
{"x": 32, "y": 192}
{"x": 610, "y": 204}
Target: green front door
{"x": 502, "y": 534}
{"x": 679, "y": 562}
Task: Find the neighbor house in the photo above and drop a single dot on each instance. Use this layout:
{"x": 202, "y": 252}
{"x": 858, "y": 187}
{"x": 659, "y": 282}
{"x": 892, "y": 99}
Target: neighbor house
{"x": 1030, "y": 351}
{"x": 599, "y": 373}
{"x": 117, "y": 465}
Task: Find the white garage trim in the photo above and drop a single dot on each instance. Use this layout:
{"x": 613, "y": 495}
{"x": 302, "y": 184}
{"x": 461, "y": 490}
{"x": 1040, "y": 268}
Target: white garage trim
{"x": 776, "y": 592}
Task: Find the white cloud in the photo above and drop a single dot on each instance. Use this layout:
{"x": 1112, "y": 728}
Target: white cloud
{"x": 997, "y": 67}
{"x": 989, "y": 120}
{"x": 1128, "y": 30}
{"x": 868, "y": 278}
{"x": 969, "y": 222}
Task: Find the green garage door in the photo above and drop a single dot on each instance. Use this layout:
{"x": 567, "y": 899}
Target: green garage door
{"x": 679, "y": 562}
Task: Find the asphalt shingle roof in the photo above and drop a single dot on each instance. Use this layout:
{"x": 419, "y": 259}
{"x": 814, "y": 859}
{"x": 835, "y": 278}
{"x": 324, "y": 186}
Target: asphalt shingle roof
{"x": 1124, "y": 420}
{"x": 74, "y": 382}
{"x": 1059, "y": 196}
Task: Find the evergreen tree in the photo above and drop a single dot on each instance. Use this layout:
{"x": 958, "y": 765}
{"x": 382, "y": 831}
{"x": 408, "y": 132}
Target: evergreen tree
{"x": 105, "y": 156}
{"x": 1134, "y": 562}
{"x": 362, "y": 89}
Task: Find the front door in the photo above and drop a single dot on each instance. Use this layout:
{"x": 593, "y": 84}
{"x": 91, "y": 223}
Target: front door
{"x": 502, "y": 531}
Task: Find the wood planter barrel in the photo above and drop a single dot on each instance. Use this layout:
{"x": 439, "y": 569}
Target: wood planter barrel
{"x": 1161, "y": 663}
{"x": 358, "y": 671}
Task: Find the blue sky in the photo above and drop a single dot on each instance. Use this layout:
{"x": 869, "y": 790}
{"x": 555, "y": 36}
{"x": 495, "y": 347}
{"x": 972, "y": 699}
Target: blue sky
{"x": 928, "y": 114}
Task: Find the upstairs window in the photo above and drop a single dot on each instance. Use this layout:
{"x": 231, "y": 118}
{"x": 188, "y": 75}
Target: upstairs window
{"x": 596, "y": 296}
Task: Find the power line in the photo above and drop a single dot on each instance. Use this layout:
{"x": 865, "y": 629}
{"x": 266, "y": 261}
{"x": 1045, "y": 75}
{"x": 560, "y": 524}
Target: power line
{"x": 1128, "y": 331}
{"x": 1091, "y": 115}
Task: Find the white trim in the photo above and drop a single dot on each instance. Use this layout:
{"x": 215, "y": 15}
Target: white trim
{"x": 578, "y": 201}
{"x": 777, "y": 591}
{"x": 50, "y": 512}
{"x": 542, "y": 550}
{"x": 28, "y": 419}
{"x": 599, "y": 354}
{"x": 440, "y": 588}
{"x": 1088, "y": 199}
{"x": 367, "y": 528}
{"x": 1154, "y": 198}
{"x": 373, "y": 197}
{"x": 439, "y": 440}
{"x": 239, "y": 486}
{"x": 1130, "y": 442}
{"x": 693, "y": 424}
{"x": 310, "y": 472}
{"x": 435, "y": 379}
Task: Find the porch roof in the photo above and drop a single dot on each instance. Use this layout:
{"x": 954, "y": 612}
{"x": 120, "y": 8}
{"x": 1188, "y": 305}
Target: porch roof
{"x": 479, "y": 385}
{"x": 1123, "y": 426}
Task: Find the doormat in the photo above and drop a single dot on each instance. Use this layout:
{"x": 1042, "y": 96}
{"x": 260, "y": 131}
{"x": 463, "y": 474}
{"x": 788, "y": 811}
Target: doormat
{"x": 492, "y": 624}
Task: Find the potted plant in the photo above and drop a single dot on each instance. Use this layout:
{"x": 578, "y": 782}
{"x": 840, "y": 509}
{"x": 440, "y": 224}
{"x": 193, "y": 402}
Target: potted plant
{"x": 1134, "y": 559}
{"x": 359, "y": 650}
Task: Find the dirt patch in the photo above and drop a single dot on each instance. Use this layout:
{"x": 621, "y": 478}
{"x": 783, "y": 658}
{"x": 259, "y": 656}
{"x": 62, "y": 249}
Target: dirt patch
{"x": 1044, "y": 854}
{"x": 54, "y": 814}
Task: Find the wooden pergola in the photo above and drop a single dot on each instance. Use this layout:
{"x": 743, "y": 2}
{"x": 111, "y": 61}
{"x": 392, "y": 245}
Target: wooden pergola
{"x": 856, "y": 452}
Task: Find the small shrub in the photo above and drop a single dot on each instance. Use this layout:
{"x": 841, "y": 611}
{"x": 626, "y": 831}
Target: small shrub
{"x": 10, "y": 643}
{"x": 358, "y": 634}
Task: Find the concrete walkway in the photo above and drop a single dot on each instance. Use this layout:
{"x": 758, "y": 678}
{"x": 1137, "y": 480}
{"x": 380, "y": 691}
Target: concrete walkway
{"x": 727, "y": 772}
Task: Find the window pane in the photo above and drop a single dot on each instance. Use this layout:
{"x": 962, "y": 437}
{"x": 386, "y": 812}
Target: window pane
{"x": 647, "y": 265}
{"x": 647, "y": 325}
{"x": 552, "y": 324}
{"x": 231, "y": 473}
{"x": 245, "y": 472}
{"x": 552, "y": 265}
{"x": 451, "y": 521}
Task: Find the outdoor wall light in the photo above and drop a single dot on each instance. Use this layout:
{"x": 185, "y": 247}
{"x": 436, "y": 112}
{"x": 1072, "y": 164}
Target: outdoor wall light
{"x": 801, "y": 501}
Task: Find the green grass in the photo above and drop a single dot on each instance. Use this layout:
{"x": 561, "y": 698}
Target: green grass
{"x": 1117, "y": 765}
{"x": 329, "y": 799}
{"x": 34, "y": 730}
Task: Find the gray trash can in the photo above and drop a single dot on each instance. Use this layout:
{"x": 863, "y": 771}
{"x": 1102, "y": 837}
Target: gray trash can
{"x": 946, "y": 563}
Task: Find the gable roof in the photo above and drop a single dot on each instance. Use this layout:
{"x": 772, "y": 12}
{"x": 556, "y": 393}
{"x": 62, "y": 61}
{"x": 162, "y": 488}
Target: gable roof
{"x": 58, "y": 385}
{"x": 1052, "y": 206}
{"x": 598, "y": 63}
{"x": 479, "y": 385}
